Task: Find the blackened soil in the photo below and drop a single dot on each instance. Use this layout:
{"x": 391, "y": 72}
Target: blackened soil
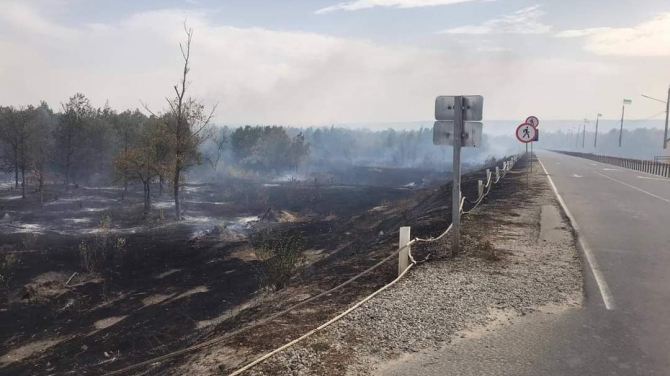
{"x": 176, "y": 284}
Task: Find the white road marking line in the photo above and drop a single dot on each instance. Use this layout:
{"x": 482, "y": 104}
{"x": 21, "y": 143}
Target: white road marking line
{"x": 577, "y": 176}
{"x": 605, "y": 293}
{"x": 646, "y": 177}
{"x": 636, "y": 188}
{"x": 610, "y": 169}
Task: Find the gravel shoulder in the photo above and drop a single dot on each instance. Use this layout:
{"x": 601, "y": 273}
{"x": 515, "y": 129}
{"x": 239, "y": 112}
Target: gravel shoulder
{"x": 518, "y": 257}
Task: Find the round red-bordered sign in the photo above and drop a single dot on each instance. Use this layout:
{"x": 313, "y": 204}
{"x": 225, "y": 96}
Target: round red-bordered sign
{"x": 532, "y": 120}
{"x": 526, "y": 133}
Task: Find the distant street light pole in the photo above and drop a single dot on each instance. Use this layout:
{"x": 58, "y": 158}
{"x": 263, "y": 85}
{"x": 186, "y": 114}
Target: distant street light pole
{"x": 584, "y": 132}
{"x": 577, "y": 138}
{"x": 667, "y": 110}
{"x": 623, "y": 109}
{"x": 595, "y": 139}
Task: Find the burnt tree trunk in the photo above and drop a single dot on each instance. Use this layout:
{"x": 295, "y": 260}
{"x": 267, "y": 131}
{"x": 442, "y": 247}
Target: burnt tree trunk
{"x": 41, "y": 188}
{"x": 23, "y": 182}
{"x": 161, "y": 183}
{"x": 177, "y": 173}
{"x": 16, "y": 168}
{"x": 147, "y": 198}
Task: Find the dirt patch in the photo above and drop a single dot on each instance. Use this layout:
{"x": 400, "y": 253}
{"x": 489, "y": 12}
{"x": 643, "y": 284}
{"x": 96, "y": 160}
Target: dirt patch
{"x": 156, "y": 299}
{"x": 107, "y": 322}
{"x": 25, "y": 351}
{"x": 167, "y": 273}
{"x": 193, "y": 291}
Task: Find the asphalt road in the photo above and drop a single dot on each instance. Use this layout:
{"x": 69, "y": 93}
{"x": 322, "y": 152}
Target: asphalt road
{"x": 623, "y": 328}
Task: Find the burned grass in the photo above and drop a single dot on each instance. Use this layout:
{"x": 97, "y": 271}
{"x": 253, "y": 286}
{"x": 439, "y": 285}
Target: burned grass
{"x": 180, "y": 284}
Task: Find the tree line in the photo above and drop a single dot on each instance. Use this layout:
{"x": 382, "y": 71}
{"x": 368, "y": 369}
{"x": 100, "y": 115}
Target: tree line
{"x": 83, "y": 143}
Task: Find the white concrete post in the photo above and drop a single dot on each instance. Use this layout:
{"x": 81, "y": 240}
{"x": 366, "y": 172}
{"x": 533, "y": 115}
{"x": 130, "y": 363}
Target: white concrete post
{"x": 403, "y": 245}
{"x": 497, "y": 173}
{"x": 488, "y": 175}
{"x": 480, "y": 189}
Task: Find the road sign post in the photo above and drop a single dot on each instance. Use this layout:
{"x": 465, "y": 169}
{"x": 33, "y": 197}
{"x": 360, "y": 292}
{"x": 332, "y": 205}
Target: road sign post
{"x": 464, "y": 111}
{"x": 535, "y": 122}
{"x": 456, "y": 171}
{"x": 527, "y": 133}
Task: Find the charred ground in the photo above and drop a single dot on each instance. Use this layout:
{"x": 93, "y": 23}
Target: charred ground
{"x": 179, "y": 283}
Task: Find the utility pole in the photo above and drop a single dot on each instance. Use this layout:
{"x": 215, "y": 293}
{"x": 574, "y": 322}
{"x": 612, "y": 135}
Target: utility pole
{"x": 584, "y": 133}
{"x": 667, "y": 110}
{"x": 577, "y": 138}
{"x": 595, "y": 139}
{"x": 623, "y": 108}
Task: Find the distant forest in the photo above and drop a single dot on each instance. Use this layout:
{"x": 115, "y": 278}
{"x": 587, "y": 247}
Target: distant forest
{"x": 80, "y": 144}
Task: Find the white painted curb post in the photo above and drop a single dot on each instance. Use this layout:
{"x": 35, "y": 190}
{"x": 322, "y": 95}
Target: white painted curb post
{"x": 403, "y": 245}
{"x": 497, "y": 173}
{"x": 488, "y": 175}
{"x": 480, "y": 189}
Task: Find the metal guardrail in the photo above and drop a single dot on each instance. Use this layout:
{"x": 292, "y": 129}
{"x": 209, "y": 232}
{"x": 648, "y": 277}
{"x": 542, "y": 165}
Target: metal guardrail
{"x": 659, "y": 168}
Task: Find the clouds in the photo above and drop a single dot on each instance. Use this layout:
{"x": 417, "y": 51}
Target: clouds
{"x": 649, "y": 38}
{"x": 270, "y": 76}
{"x": 21, "y": 15}
{"x": 367, "y": 4}
{"x": 523, "y": 21}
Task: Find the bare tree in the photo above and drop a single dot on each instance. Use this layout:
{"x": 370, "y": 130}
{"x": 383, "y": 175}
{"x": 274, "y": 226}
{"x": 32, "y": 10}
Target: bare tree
{"x": 188, "y": 124}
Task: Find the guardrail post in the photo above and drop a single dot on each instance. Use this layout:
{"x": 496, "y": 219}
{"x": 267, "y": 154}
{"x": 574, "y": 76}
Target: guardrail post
{"x": 488, "y": 175}
{"x": 480, "y": 189}
{"x": 497, "y": 173}
{"x": 403, "y": 246}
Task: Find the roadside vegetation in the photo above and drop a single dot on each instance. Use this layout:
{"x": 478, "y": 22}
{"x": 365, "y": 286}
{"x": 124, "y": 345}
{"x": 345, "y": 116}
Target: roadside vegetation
{"x": 281, "y": 257}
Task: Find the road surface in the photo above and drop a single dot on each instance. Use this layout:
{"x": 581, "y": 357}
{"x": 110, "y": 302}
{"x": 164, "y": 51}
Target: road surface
{"x": 623, "y": 328}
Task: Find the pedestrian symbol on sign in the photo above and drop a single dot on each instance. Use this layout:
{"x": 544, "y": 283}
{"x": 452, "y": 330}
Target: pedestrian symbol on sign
{"x": 526, "y": 133}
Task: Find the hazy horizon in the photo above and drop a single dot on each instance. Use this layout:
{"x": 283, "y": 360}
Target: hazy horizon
{"x": 336, "y": 61}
